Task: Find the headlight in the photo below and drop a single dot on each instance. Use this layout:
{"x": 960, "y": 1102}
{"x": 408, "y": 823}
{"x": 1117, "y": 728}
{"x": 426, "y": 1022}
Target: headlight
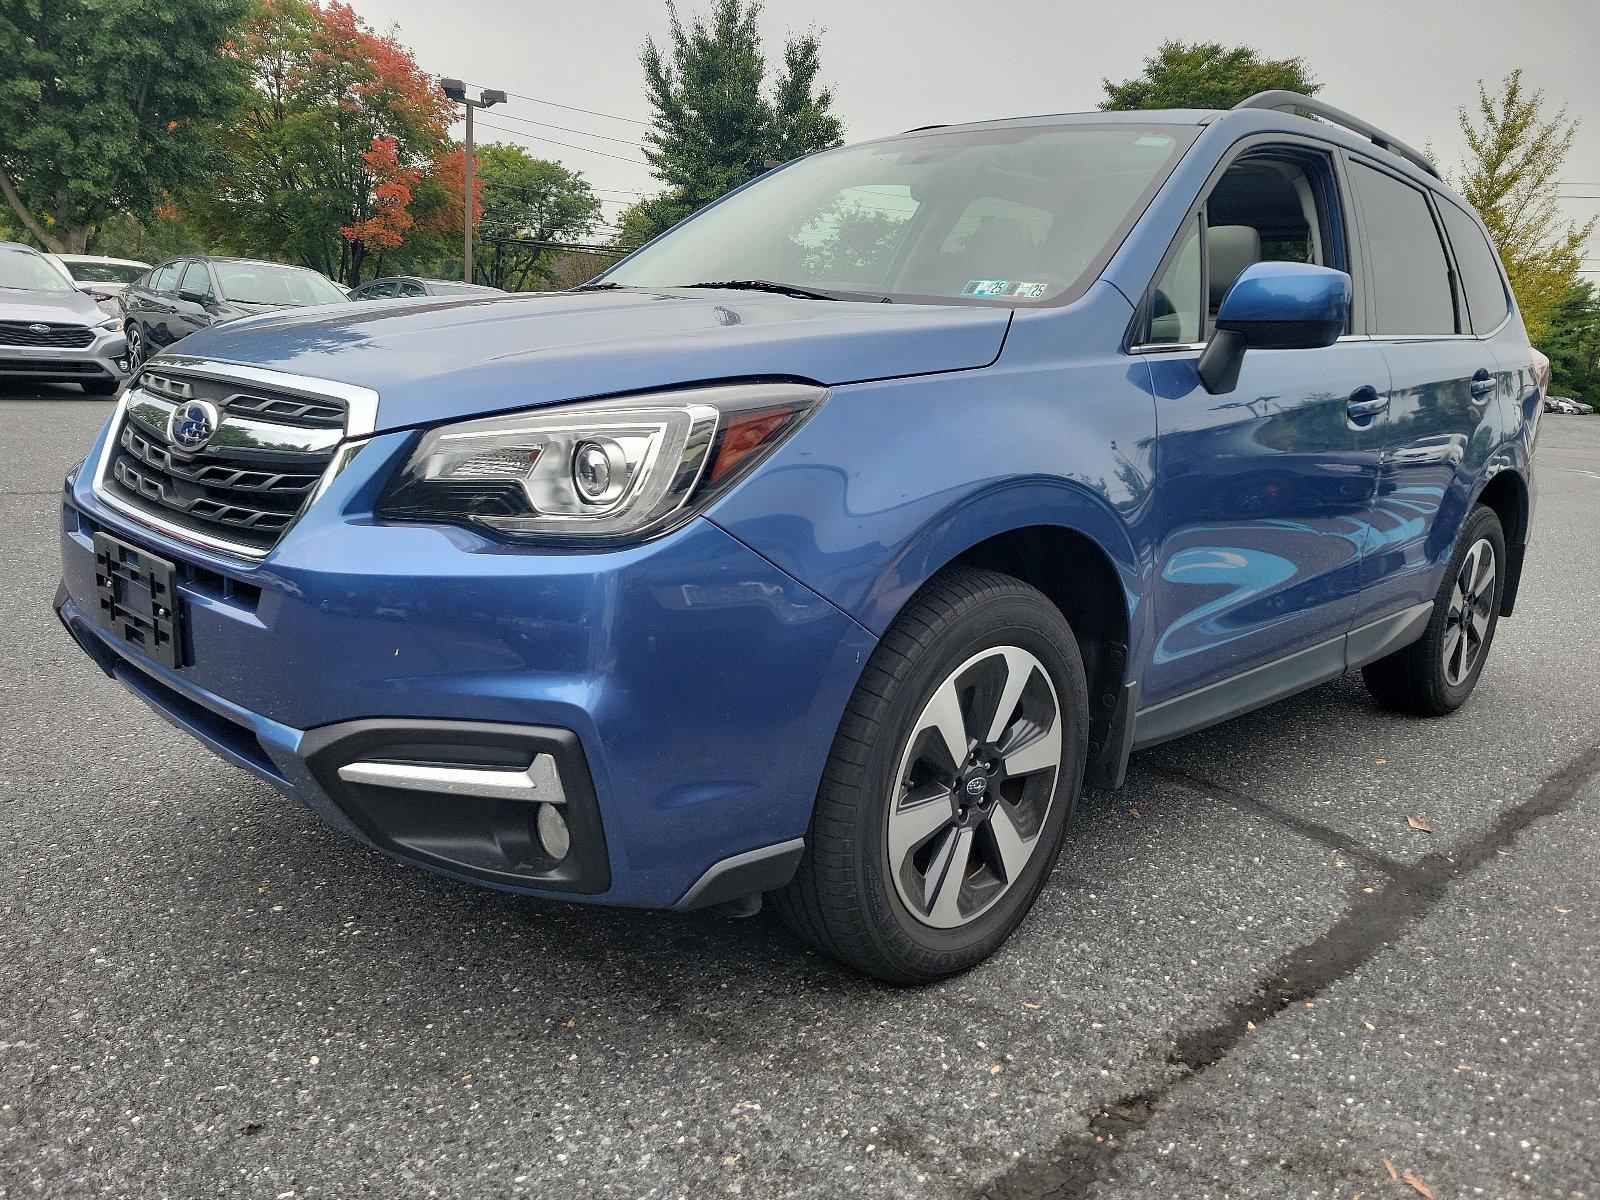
{"x": 599, "y": 472}
{"x": 110, "y": 323}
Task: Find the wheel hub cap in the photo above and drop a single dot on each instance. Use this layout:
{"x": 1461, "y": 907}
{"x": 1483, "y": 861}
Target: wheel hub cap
{"x": 1470, "y": 614}
{"x": 976, "y": 782}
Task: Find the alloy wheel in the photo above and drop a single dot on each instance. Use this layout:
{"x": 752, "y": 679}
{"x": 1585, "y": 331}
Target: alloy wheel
{"x": 135, "y": 345}
{"x": 975, "y": 785}
{"x": 1471, "y": 607}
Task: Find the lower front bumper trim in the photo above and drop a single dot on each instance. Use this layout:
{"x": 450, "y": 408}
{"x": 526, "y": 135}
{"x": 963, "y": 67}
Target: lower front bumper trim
{"x": 764, "y": 869}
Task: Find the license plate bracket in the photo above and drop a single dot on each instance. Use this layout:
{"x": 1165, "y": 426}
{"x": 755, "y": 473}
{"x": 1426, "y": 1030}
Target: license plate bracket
{"x": 139, "y": 598}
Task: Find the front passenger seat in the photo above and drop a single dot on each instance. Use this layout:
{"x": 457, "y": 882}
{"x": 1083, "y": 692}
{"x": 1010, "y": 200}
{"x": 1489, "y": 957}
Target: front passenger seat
{"x": 1231, "y": 248}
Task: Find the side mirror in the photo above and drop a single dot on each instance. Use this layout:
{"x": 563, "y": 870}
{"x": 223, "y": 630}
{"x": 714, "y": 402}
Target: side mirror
{"x": 1274, "y": 306}
{"x": 193, "y": 297}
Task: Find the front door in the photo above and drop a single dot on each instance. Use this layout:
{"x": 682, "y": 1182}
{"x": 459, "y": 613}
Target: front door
{"x": 1263, "y": 495}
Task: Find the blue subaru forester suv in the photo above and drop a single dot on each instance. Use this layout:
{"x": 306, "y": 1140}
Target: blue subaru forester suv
{"x": 828, "y": 545}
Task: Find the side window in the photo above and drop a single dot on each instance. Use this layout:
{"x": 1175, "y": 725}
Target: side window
{"x": 1274, "y": 206}
{"x": 164, "y": 277}
{"x": 1278, "y": 205}
{"x": 1410, "y": 272}
{"x": 377, "y": 290}
{"x": 196, "y": 279}
{"x": 412, "y": 289}
{"x": 1177, "y": 315}
{"x": 1481, "y": 283}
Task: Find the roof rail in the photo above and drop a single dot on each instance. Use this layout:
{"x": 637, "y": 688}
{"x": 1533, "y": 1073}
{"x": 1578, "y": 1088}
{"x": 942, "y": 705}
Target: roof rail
{"x": 1281, "y": 101}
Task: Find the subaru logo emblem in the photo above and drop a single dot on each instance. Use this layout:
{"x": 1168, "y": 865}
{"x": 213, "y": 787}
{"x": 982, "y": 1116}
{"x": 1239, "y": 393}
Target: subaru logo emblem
{"x": 39, "y": 329}
{"x": 976, "y": 785}
{"x": 192, "y": 423}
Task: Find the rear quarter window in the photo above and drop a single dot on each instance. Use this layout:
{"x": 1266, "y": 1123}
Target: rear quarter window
{"x": 1481, "y": 280}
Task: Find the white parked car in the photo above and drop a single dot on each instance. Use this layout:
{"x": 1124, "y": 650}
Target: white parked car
{"x": 103, "y": 278}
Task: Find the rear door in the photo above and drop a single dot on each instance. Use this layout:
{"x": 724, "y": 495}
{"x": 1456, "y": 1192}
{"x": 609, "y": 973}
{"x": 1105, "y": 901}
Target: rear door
{"x": 1443, "y": 414}
{"x": 1263, "y": 494}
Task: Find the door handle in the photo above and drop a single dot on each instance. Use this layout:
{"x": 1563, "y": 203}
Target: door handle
{"x": 1365, "y": 403}
{"x": 1483, "y": 384}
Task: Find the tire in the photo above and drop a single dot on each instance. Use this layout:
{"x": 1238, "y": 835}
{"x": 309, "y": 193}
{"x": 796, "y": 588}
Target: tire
{"x": 876, "y": 889}
{"x": 137, "y": 350}
{"x": 100, "y": 387}
{"x": 1420, "y": 678}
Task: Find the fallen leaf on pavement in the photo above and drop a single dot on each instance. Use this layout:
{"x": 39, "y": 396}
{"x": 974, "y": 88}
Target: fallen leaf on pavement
{"x": 1419, "y": 823}
{"x": 1412, "y": 1179}
{"x": 1394, "y": 1173}
{"x": 1381, "y": 761}
{"x": 1559, "y": 909}
{"x": 1137, "y": 815}
{"x": 1031, "y": 1006}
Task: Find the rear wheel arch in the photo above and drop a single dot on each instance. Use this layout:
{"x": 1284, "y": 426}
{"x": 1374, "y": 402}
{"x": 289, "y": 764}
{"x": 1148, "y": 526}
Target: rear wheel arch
{"x": 1507, "y": 496}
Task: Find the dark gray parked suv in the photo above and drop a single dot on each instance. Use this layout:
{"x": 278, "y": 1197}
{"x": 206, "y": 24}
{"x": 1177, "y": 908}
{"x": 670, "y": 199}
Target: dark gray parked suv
{"x": 185, "y": 294}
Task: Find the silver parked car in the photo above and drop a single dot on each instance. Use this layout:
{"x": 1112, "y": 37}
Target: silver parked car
{"x": 49, "y": 330}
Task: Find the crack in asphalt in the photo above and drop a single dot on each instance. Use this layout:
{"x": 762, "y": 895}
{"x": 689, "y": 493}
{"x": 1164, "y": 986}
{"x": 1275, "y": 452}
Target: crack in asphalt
{"x": 1375, "y": 920}
{"x": 1310, "y": 830}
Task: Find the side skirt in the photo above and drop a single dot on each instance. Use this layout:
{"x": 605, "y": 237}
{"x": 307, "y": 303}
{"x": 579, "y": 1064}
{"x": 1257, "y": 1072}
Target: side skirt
{"x": 1274, "y": 681}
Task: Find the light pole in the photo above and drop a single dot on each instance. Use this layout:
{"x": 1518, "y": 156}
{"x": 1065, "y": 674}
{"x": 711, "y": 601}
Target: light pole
{"x": 487, "y": 98}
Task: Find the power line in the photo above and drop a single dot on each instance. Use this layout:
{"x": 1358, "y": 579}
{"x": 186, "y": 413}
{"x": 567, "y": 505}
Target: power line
{"x": 565, "y": 129}
{"x": 573, "y": 108}
{"x": 482, "y": 124}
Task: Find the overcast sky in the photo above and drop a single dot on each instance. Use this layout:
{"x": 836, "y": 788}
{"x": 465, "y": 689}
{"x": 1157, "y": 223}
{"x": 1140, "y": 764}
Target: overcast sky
{"x": 1405, "y": 65}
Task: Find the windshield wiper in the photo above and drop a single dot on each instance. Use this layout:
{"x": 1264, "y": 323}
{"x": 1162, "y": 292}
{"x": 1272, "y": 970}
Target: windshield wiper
{"x": 765, "y": 285}
{"x": 598, "y": 287}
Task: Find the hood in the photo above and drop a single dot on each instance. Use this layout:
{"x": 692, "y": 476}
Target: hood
{"x": 20, "y": 305}
{"x": 443, "y": 358}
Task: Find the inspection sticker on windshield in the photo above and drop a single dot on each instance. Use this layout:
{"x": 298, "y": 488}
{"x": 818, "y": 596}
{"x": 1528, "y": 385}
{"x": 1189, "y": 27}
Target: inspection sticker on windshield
{"x": 1026, "y": 290}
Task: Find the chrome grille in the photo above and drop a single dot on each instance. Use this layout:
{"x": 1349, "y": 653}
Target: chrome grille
{"x": 44, "y": 333}
{"x": 244, "y": 487}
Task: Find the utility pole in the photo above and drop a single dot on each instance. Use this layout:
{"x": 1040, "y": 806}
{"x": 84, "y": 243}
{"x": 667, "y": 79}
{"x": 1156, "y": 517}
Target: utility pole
{"x": 487, "y": 98}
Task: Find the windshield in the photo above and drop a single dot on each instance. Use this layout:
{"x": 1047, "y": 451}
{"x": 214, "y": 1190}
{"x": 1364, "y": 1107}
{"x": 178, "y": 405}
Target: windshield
{"x": 269, "y": 283}
{"x": 1011, "y": 214}
{"x": 25, "y": 269}
{"x": 101, "y": 272}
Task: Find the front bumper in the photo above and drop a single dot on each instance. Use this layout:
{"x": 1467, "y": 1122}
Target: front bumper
{"x": 698, "y": 686}
{"x": 105, "y": 358}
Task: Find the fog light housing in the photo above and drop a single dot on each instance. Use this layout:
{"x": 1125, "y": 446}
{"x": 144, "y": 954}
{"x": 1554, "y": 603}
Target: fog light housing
{"x": 553, "y": 833}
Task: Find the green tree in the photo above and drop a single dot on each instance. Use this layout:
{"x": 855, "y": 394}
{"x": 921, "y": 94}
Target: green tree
{"x": 1206, "y": 75}
{"x": 643, "y": 219}
{"x": 100, "y": 104}
{"x": 1515, "y": 155}
{"x": 1572, "y": 341}
{"x": 714, "y": 127}
{"x": 527, "y": 198}
{"x": 333, "y": 163}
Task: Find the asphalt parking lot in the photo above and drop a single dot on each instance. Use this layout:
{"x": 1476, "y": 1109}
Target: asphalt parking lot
{"x": 1251, "y": 976}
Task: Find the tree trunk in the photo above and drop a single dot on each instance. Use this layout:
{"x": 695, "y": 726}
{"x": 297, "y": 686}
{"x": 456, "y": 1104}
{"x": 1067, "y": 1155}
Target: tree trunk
{"x": 27, "y": 218}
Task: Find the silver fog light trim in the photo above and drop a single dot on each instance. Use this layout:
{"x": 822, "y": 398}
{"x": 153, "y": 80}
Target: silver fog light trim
{"x": 539, "y": 781}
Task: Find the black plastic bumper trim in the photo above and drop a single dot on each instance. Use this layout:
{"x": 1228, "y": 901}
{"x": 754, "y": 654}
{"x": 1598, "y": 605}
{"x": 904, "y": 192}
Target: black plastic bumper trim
{"x": 747, "y": 874}
{"x": 494, "y": 840}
